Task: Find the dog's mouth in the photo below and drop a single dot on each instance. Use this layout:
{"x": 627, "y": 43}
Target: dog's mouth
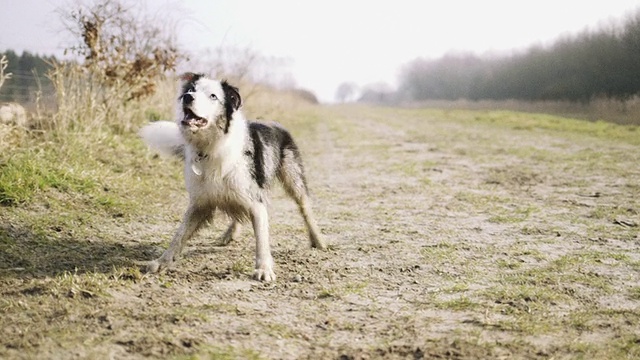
{"x": 192, "y": 120}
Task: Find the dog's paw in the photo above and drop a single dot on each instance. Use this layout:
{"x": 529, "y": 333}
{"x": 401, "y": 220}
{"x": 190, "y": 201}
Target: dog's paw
{"x": 264, "y": 273}
{"x": 152, "y": 267}
{"x": 317, "y": 242}
{"x": 157, "y": 265}
{"x": 225, "y": 239}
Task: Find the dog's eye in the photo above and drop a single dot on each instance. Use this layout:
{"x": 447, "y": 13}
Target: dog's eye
{"x": 213, "y": 97}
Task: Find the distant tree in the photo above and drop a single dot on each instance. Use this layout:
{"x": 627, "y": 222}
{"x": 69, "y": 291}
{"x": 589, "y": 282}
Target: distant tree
{"x": 346, "y": 91}
{"x": 305, "y": 95}
{"x": 377, "y": 93}
{"x": 13, "y": 59}
{"x": 630, "y": 40}
{"x": 29, "y": 76}
{"x": 450, "y": 77}
{"x": 598, "y": 63}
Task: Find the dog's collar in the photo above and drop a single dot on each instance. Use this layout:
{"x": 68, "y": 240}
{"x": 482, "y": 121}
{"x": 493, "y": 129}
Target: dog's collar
{"x": 195, "y": 164}
{"x": 201, "y": 156}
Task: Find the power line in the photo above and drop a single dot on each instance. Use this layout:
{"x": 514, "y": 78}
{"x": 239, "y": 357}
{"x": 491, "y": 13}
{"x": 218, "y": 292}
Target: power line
{"x": 18, "y": 76}
{"x": 24, "y": 87}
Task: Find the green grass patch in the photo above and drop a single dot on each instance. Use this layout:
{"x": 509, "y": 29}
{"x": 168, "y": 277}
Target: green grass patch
{"x": 479, "y": 200}
{"x": 209, "y": 352}
{"x": 511, "y": 215}
{"x": 524, "y": 298}
{"x": 241, "y": 266}
{"x": 508, "y": 264}
{"x": 338, "y": 291}
{"x": 456, "y": 288}
{"x": 634, "y": 293}
{"x": 558, "y": 124}
{"x": 461, "y": 303}
{"x": 440, "y": 252}
{"x": 29, "y": 172}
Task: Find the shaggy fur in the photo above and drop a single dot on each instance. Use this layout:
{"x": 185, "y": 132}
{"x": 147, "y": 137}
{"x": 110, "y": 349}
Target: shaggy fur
{"x": 230, "y": 164}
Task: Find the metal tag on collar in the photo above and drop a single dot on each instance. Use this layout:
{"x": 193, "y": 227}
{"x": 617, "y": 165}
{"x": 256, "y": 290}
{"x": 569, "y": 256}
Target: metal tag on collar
{"x": 196, "y": 169}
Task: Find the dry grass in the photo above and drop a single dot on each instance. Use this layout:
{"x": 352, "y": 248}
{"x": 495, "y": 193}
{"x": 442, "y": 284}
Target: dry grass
{"x": 86, "y": 105}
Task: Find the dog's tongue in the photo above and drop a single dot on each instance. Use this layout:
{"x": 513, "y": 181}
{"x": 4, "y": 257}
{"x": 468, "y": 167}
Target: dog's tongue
{"x": 190, "y": 119}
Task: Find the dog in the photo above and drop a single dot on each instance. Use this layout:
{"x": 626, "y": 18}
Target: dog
{"x": 229, "y": 164}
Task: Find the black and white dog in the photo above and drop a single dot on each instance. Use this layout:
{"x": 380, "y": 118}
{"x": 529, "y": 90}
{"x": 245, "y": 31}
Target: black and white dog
{"x": 230, "y": 163}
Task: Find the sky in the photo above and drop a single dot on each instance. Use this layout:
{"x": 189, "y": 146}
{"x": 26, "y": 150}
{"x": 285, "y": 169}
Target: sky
{"x": 325, "y": 43}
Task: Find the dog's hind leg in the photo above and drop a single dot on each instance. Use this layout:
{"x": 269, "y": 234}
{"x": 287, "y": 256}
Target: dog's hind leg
{"x": 194, "y": 219}
{"x": 264, "y": 261}
{"x": 231, "y": 234}
{"x": 291, "y": 174}
{"x": 315, "y": 237}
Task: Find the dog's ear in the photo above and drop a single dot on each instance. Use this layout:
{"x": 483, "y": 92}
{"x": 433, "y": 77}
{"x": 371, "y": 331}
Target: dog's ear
{"x": 233, "y": 101}
{"x": 190, "y": 77}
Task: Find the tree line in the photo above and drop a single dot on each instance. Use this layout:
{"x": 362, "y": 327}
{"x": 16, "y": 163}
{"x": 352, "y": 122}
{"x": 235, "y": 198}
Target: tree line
{"x": 28, "y": 76}
{"x": 593, "y": 64}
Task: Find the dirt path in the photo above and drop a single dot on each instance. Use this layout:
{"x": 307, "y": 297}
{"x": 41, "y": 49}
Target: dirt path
{"x": 453, "y": 235}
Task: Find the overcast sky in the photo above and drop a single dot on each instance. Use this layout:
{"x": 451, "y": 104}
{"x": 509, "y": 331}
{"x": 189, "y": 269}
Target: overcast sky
{"x": 331, "y": 41}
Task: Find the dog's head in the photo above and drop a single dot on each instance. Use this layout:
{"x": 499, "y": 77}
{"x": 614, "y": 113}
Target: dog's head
{"x": 206, "y": 106}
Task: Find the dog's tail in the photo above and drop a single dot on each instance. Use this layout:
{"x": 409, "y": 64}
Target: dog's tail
{"x": 164, "y": 137}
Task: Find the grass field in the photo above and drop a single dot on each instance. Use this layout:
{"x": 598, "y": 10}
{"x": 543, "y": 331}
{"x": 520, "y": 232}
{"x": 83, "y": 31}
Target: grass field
{"x": 454, "y": 234}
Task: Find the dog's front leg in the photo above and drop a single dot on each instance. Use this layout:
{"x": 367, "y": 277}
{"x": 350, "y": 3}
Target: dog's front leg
{"x": 193, "y": 220}
{"x": 264, "y": 261}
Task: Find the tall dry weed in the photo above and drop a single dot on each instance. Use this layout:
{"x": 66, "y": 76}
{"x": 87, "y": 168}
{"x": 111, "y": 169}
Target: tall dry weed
{"x": 3, "y": 66}
{"x": 9, "y": 135}
{"x": 86, "y": 105}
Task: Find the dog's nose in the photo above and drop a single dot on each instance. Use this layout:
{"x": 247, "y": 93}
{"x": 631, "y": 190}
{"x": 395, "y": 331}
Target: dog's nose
{"x": 187, "y": 99}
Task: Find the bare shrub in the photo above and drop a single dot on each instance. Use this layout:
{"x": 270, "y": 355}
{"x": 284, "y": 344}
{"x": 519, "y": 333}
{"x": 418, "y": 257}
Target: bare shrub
{"x": 305, "y": 95}
{"x": 124, "y": 50}
{"x": 346, "y": 91}
{"x": 122, "y": 58}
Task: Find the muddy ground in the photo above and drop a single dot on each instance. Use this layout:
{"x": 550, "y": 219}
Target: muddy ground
{"x": 453, "y": 235}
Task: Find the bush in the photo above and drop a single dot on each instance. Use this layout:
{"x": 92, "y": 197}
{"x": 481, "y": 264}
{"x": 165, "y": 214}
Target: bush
{"x": 125, "y": 60}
